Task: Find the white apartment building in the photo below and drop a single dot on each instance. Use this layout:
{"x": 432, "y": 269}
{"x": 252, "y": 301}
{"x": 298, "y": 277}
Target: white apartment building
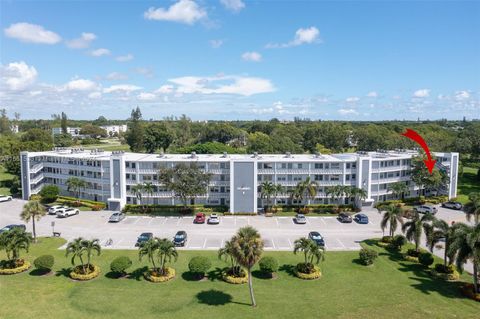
{"x": 73, "y": 131}
{"x": 114, "y": 129}
{"x": 235, "y": 178}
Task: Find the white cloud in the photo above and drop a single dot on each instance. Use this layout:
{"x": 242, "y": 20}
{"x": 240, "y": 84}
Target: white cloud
{"x": 116, "y": 76}
{"x": 165, "y": 89}
{"x": 80, "y": 85}
{"x": 421, "y": 93}
{"x": 462, "y": 95}
{"x": 233, "y": 5}
{"x": 127, "y": 88}
{"x": 372, "y": 94}
{"x": 31, "y": 33}
{"x": 144, "y": 96}
{"x": 183, "y": 11}
{"x": 216, "y": 43}
{"x": 252, "y": 56}
{"x": 95, "y": 95}
{"x": 302, "y": 36}
{"x": 100, "y": 52}
{"x": 146, "y": 72}
{"x": 222, "y": 84}
{"x": 82, "y": 42}
{"x": 17, "y": 75}
{"x": 347, "y": 112}
{"x": 352, "y": 99}
{"x": 124, "y": 58}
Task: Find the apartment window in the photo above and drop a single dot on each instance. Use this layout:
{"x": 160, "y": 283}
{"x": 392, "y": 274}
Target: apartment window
{"x": 318, "y": 177}
{"x": 267, "y": 165}
{"x": 334, "y": 177}
{"x": 318, "y": 165}
{"x": 300, "y": 165}
{"x": 347, "y": 177}
{"x": 348, "y": 165}
{"x": 354, "y": 176}
{"x": 354, "y": 165}
{"x": 335, "y": 165}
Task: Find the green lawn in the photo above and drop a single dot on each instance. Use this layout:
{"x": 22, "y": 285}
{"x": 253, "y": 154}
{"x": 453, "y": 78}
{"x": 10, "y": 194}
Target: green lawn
{"x": 389, "y": 289}
{"x": 4, "y": 176}
{"x": 467, "y": 184}
{"x": 109, "y": 145}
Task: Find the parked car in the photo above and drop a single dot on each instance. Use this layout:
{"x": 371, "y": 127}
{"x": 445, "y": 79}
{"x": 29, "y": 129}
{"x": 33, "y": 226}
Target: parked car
{"x": 54, "y": 209}
{"x": 180, "y": 238}
{"x": 9, "y": 227}
{"x": 213, "y": 219}
{"x": 300, "y": 219}
{"x": 143, "y": 238}
{"x": 425, "y": 209}
{"x": 199, "y": 218}
{"x": 361, "y": 218}
{"x": 317, "y": 238}
{"x": 344, "y": 218}
{"x": 67, "y": 212}
{"x": 116, "y": 217}
{"x": 4, "y": 198}
{"x": 452, "y": 205}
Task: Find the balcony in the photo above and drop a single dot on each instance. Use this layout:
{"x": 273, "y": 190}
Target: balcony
{"x": 36, "y": 168}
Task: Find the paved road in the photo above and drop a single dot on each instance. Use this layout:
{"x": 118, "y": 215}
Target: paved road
{"x": 279, "y": 233}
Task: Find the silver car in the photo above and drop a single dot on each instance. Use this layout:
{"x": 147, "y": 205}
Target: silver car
{"x": 300, "y": 219}
{"x": 116, "y": 217}
{"x": 426, "y": 209}
{"x": 213, "y": 219}
{"x": 452, "y": 205}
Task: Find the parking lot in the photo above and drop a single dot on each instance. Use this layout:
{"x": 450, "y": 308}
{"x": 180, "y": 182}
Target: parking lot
{"x": 278, "y": 233}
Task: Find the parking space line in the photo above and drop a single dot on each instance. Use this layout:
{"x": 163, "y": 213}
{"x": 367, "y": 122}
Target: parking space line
{"x": 289, "y": 243}
{"x": 273, "y": 244}
{"x": 179, "y": 220}
{"x": 341, "y": 244}
{"x": 323, "y": 221}
{"x": 164, "y": 220}
{"x": 204, "y": 243}
{"x": 276, "y": 219}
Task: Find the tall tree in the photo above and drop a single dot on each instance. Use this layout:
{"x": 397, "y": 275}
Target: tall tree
{"x": 33, "y": 210}
{"x": 63, "y": 123}
{"x": 75, "y": 185}
{"x": 4, "y": 122}
{"x": 398, "y": 189}
{"x": 392, "y": 216}
{"x": 77, "y": 250}
{"x": 310, "y": 189}
{"x": 439, "y": 231}
{"x": 247, "y": 250}
{"x": 472, "y": 208}
{"x": 13, "y": 241}
{"x": 413, "y": 228}
{"x": 138, "y": 190}
{"x": 267, "y": 189}
{"x": 149, "y": 249}
{"x": 226, "y": 253}
{"x": 136, "y": 131}
{"x": 158, "y": 136}
{"x": 166, "y": 253}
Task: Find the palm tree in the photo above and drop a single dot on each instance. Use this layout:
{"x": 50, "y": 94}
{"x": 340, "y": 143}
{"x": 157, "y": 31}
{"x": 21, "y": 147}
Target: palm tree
{"x": 166, "y": 252}
{"x": 392, "y": 215}
{"x": 227, "y": 253}
{"x": 149, "y": 249}
{"x": 137, "y": 190}
{"x": 414, "y": 227}
{"x": 76, "y": 249}
{"x": 267, "y": 189}
{"x": 297, "y": 194}
{"x": 466, "y": 246}
{"x": 247, "y": 250}
{"x": 149, "y": 189}
{"x": 33, "y": 210}
{"x": 359, "y": 194}
{"x": 398, "y": 189}
{"x": 437, "y": 231}
{"x": 472, "y": 208}
{"x": 91, "y": 246}
{"x": 309, "y": 188}
{"x": 336, "y": 191}
{"x": 13, "y": 241}
{"x": 311, "y": 251}
{"x": 278, "y": 189}
{"x": 75, "y": 185}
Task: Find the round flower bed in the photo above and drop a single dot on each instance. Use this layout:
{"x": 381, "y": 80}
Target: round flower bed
{"x": 446, "y": 276}
{"x": 154, "y": 276}
{"x": 21, "y": 266}
{"x": 314, "y": 272}
{"x": 78, "y": 273}
{"x": 467, "y": 291}
{"x": 412, "y": 255}
{"x": 410, "y": 258}
{"x": 231, "y": 278}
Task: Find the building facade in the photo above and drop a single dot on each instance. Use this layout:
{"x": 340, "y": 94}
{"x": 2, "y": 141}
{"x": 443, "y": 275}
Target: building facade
{"x": 113, "y": 130}
{"x": 235, "y": 178}
{"x": 73, "y": 131}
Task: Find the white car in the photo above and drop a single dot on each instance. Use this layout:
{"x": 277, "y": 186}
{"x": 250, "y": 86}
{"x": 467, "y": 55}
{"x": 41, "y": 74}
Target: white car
{"x": 213, "y": 219}
{"x": 54, "y": 209}
{"x": 425, "y": 209}
{"x": 4, "y": 198}
{"x": 66, "y": 212}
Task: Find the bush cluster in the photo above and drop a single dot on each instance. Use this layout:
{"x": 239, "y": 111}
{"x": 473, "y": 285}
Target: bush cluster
{"x": 398, "y": 242}
{"x": 268, "y": 265}
{"x": 367, "y": 256}
{"x": 74, "y": 202}
{"x": 120, "y": 264}
{"x": 44, "y": 262}
{"x": 199, "y": 265}
{"x": 172, "y": 209}
{"x": 426, "y": 259}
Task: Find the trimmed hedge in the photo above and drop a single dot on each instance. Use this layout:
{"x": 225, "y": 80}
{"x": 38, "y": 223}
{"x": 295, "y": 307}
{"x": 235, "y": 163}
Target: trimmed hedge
{"x": 446, "y": 273}
{"x": 44, "y": 262}
{"x": 172, "y": 209}
{"x": 120, "y": 264}
{"x": 199, "y": 265}
{"x": 268, "y": 265}
{"x": 75, "y": 202}
{"x": 426, "y": 259}
{"x": 316, "y": 208}
{"x": 367, "y": 256}
{"x": 150, "y": 276}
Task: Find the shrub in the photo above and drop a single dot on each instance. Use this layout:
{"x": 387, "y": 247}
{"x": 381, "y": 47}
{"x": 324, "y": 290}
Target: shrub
{"x": 306, "y": 268}
{"x": 387, "y": 239}
{"x": 367, "y": 256}
{"x": 413, "y": 253}
{"x": 199, "y": 265}
{"x": 49, "y": 193}
{"x": 448, "y": 272}
{"x": 268, "y": 265}
{"x": 399, "y": 241}
{"x": 44, "y": 262}
{"x": 449, "y": 269}
{"x": 425, "y": 259}
{"x": 120, "y": 264}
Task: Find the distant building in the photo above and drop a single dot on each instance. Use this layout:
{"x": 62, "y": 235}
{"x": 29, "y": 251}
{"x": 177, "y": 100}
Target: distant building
{"x": 14, "y": 128}
{"x": 73, "y": 131}
{"x": 114, "y": 129}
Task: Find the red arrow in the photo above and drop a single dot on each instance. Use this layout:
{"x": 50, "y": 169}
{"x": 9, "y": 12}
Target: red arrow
{"x": 411, "y": 134}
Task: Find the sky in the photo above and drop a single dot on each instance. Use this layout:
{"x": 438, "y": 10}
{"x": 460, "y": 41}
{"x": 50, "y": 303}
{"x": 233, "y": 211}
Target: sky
{"x": 239, "y": 59}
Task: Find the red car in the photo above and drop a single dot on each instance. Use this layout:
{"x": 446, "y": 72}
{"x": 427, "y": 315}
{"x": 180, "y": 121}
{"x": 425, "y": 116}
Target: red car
{"x": 199, "y": 218}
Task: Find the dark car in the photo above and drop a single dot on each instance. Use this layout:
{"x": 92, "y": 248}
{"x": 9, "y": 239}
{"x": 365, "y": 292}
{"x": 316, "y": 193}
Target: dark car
{"x": 361, "y": 219}
{"x": 143, "y": 238}
{"x": 10, "y": 227}
{"x": 317, "y": 238}
{"x": 180, "y": 238}
{"x": 452, "y": 205}
{"x": 344, "y": 218}
{"x": 199, "y": 218}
